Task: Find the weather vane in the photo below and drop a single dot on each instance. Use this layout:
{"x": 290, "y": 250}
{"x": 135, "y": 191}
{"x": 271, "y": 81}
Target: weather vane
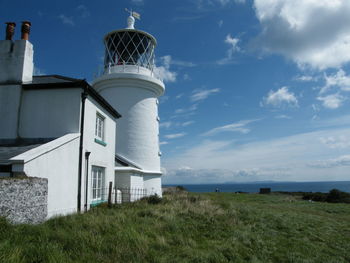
{"x": 133, "y": 14}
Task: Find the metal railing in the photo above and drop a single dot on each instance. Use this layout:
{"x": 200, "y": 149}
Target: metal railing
{"x": 128, "y": 68}
{"x": 119, "y": 195}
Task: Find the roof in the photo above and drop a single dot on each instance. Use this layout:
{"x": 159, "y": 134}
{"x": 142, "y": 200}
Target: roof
{"x": 61, "y": 82}
{"x": 7, "y": 152}
{"x": 125, "y": 162}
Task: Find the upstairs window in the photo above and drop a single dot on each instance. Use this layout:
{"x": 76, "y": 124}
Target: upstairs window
{"x": 100, "y": 127}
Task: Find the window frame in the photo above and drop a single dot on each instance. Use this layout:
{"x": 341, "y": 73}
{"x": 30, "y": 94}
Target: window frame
{"x": 97, "y": 184}
{"x": 100, "y": 127}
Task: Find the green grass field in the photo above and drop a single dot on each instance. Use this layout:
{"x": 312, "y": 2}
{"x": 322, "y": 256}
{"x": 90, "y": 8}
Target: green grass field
{"x": 217, "y": 227}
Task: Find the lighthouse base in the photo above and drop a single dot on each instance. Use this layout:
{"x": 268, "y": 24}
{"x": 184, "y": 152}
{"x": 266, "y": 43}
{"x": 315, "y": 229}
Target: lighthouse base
{"x": 136, "y": 183}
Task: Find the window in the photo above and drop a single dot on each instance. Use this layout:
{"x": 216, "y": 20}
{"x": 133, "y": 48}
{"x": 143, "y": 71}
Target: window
{"x": 98, "y": 178}
{"x": 100, "y": 127}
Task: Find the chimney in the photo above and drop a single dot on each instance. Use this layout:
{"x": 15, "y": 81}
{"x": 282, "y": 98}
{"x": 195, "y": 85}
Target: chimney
{"x": 10, "y": 30}
{"x": 25, "y": 30}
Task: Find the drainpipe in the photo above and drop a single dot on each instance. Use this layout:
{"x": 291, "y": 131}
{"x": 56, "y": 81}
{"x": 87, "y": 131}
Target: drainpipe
{"x": 80, "y": 168}
{"x": 87, "y": 155}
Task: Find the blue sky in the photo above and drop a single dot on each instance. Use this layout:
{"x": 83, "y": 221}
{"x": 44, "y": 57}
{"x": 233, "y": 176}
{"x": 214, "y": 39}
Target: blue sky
{"x": 255, "y": 89}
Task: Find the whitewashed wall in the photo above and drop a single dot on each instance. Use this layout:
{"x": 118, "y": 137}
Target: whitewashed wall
{"x": 10, "y": 99}
{"x": 58, "y": 162}
{"x": 16, "y": 61}
{"x": 103, "y": 156}
{"x": 135, "y": 98}
{"x": 50, "y": 113}
{"x": 152, "y": 183}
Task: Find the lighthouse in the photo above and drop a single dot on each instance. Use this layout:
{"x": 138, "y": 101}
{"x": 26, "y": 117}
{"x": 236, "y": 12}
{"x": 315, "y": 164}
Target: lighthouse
{"x": 130, "y": 82}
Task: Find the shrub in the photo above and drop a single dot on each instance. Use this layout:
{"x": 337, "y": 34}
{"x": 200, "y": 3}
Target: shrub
{"x": 153, "y": 199}
{"x": 334, "y": 196}
{"x": 180, "y": 188}
{"x": 337, "y": 196}
{"x": 318, "y": 197}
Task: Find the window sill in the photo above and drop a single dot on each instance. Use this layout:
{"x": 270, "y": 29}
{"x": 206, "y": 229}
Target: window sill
{"x": 100, "y": 142}
{"x": 97, "y": 202}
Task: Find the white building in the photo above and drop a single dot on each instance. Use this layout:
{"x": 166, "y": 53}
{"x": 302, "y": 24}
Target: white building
{"x": 129, "y": 83}
{"x": 67, "y": 131}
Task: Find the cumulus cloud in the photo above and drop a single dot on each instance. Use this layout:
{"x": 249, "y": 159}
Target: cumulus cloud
{"x": 338, "y": 80}
{"x": 164, "y": 71}
{"x": 233, "y": 48}
{"x": 312, "y": 33}
{"x": 333, "y": 101}
{"x": 200, "y": 95}
{"x": 175, "y": 135}
{"x": 240, "y": 127}
{"x": 279, "y": 98}
{"x": 66, "y": 20}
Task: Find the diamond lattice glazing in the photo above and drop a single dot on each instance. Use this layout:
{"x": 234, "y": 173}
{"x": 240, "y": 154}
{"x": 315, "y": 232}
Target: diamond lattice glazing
{"x": 129, "y": 48}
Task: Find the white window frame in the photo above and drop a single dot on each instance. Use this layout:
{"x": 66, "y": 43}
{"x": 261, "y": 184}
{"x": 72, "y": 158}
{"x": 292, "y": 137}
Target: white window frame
{"x": 100, "y": 127}
{"x": 97, "y": 183}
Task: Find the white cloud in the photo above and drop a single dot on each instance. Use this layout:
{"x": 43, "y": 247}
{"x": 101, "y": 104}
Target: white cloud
{"x": 164, "y": 71}
{"x": 343, "y": 160}
{"x": 234, "y": 127}
{"x": 84, "y": 12}
{"x": 175, "y": 135}
{"x": 306, "y": 78}
{"x": 220, "y": 23}
{"x": 234, "y": 48}
{"x": 186, "y": 77}
{"x": 313, "y": 33}
{"x": 179, "y": 96}
{"x": 202, "y": 4}
{"x": 38, "y": 71}
{"x": 336, "y": 142}
{"x": 163, "y": 143}
{"x": 187, "y": 123}
{"x": 166, "y": 124}
{"x": 66, "y": 20}
{"x": 283, "y": 159}
{"x": 191, "y": 109}
{"x": 203, "y": 94}
{"x": 338, "y": 80}
{"x": 280, "y": 97}
{"x": 225, "y": 2}
{"x": 137, "y": 1}
{"x": 332, "y": 101}
{"x": 283, "y": 116}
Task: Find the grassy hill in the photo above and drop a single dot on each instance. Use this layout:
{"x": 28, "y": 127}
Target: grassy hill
{"x": 184, "y": 227}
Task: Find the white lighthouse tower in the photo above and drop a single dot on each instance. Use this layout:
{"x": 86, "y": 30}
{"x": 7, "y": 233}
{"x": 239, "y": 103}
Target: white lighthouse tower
{"x": 130, "y": 84}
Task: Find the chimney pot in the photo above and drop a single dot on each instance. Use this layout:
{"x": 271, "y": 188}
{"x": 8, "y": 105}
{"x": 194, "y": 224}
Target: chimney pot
{"x": 10, "y": 30}
{"x": 25, "y": 30}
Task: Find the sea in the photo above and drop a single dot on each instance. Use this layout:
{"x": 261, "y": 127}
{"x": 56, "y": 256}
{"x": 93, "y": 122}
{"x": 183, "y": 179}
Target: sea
{"x": 323, "y": 187}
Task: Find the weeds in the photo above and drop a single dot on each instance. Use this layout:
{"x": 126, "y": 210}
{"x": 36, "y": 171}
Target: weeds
{"x": 185, "y": 227}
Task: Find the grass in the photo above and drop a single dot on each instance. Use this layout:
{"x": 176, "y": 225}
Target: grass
{"x": 184, "y": 227}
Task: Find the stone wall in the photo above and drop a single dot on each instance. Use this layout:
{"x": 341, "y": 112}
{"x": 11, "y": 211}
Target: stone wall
{"x": 23, "y": 200}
